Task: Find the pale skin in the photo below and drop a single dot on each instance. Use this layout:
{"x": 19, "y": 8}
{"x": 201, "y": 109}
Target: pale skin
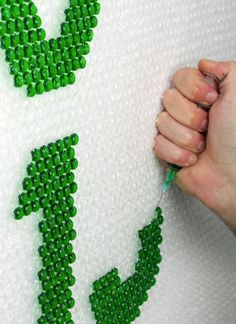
{"x": 203, "y": 142}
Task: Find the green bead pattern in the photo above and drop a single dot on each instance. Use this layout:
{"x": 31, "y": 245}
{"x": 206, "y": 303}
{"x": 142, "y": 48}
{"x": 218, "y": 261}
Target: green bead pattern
{"x": 49, "y": 186}
{"x": 114, "y": 302}
{"x": 39, "y": 64}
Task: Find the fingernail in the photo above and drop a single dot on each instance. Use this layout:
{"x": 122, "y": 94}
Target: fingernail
{"x": 212, "y": 96}
{"x": 201, "y": 146}
{"x": 204, "y": 125}
{"x": 192, "y": 159}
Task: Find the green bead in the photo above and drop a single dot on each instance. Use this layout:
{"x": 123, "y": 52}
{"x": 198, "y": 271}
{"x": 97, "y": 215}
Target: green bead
{"x": 71, "y": 303}
{"x": 56, "y": 83}
{"x": 72, "y": 258}
{"x": 23, "y": 65}
{"x": 3, "y": 29}
{"x": 24, "y": 10}
{"x": 19, "y": 52}
{"x": 35, "y": 206}
{"x": 24, "y": 39}
{"x": 75, "y": 139}
{"x": 6, "y": 14}
{"x": 19, "y": 23}
{"x": 5, "y": 42}
{"x": 10, "y": 27}
{"x": 19, "y": 213}
{"x": 10, "y": 55}
{"x": 31, "y": 169}
{"x": 71, "y": 280}
{"x": 37, "y": 21}
{"x": 48, "y": 85}
{"x": 29, "y": 24}
{"x": 73, "y": 211}
{"x": 31, "y": 91}
{"x": 41, "y": 34}
{"x": 33, "y": 9}
{"x": 27, "y": 209}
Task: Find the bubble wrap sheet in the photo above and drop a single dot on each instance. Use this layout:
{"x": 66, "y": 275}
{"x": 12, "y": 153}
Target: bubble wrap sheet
{"x": 112, "y": 106}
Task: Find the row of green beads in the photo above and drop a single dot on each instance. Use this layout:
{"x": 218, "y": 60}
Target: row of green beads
{"x": 32, "y": 200}
{"x": 111, "y": 302}
{"x": 55, "y": 77}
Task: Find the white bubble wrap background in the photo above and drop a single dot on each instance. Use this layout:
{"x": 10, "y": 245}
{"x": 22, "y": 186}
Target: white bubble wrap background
{"x": 112, "y": 106}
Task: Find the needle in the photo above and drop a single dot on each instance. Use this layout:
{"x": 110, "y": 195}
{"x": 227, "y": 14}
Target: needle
{"x": 170, "y": 176}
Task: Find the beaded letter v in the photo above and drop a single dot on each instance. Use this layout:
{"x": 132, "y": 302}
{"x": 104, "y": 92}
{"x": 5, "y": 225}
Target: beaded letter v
{"x": 37, "y": 63}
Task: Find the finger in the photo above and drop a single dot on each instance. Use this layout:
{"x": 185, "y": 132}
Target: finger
{"x": 171, "y": 153}
{"x": 185, "y": 111}
{"x": 191, "y": 83}
{"x": 224, "y": 72}
{"x": 218, "y": 70}
{"x": 180, "y": 135}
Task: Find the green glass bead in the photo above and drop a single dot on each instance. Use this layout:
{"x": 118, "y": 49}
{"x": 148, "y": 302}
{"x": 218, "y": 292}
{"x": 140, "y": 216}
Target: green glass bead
{"x": 19, "y": 23}
{"x": 5, "y": 42}
{"x": 37, "y": 21}
{"x": 46, "y": 308}
{"x": 42, "y": 275}
{"x": 69, "y": 14}
{"x": 24, "y": 10}
{"x": 41, "y": 34}
{"x": 36, "y": 155}
{"x": 39, "y": 87}
{"x": 94, "y": 22}
{"x": 56, "y": 83}
{"x": 69, "y": 40}
{"x": 31, "y": 169}
{"x": 10, "y": 55}
{"x": 19, "y": 213}
{"x": 33, "y": 36}
{"x": 29, "y": 24}
{"x": 15, "y": 68}
{"x": 71, "y": 303}
{"x": 48, "y": 85}
{"x": 43, "y": 227}
{"x": 27, "y": 209}
{"x": 72, "y": 258}
{"x": 72, "y": 211}
{"x": 72, "y": 235}
{"x": 74, "y": 139}
{"x": 31, "y": 91}
{"x": 42, "y": 299}
{"x": 65, "y": 28}
{"x": 71, "y": 78}
{"x": 74, "y": 164}
{"x": 19, "y": 52}
{"x": 6, "y": 13}
{"x": 33, "y": 9}
{"x": 15, "y": 40}
{"x": 71, "y": 280}
{"x": 10, "y": 27}
{"x": 23, "y": 65}
{"x": 24, "y": 39}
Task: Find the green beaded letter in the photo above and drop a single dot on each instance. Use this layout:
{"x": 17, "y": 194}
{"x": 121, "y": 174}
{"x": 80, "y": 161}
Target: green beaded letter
{"x": 118, "y": 302}
{"x": 49, "y": 186}
{"x": 43, "y": 65}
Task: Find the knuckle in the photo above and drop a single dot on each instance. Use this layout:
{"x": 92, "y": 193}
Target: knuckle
{"x": 193, "y": 92}
{"x": 178, "y": 74}
{"x": 168, "y": 97}
{"x": 187, "y": 138}
{"x": 161, "y": 118}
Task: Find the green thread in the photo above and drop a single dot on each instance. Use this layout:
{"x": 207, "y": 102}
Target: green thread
{"x": 39, "y": 64}
{"x": 49, "y": 186}
{"x": 115, "y": 302}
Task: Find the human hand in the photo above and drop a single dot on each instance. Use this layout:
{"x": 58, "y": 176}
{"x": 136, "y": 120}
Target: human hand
{"x": 203, "y": 143}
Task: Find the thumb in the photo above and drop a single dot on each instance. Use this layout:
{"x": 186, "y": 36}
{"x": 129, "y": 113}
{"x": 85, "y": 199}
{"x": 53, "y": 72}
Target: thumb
{"x": 223, "y": 72}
